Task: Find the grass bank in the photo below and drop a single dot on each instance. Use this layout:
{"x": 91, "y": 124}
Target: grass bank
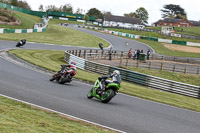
{"x": 17, "y": 117}
{"x": 57, "y": 34}
{"x": 27, "y": 21}
{"x": 52, "y": 59}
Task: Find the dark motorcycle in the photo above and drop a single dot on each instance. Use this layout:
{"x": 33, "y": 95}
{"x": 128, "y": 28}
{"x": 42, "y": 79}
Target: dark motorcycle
{"x": 63, "y": 76}
{"x": 21, "y": 43}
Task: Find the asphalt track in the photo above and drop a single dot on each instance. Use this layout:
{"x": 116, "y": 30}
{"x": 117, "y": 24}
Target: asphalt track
{"x": 123, "y": 112}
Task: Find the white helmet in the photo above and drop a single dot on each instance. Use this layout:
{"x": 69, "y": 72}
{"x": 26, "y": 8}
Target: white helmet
{"x": 116, "y": 72}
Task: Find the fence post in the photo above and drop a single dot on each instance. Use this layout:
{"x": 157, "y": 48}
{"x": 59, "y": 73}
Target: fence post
{"x": 127, "y": 62}
{"x": 174, "y": 68}
{"x": 199, "y": 93}
{"x": 96, "y": 53}
{"x": 161, "y": 67}
{"x": 138, "y": 63}
{"x": 79, "y": 53}
{"x": 73, "y": 52}
{"x": 76, "y": 52}
{"x": 90, "y": 52}
{"x": 149, "y": 65}
{"x": 185, "y": 70}
{"x": 85, "y": 54}
{"x": 121, "y": 58}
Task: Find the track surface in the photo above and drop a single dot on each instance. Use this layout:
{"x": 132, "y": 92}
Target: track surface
{"x": 123, "y": 112}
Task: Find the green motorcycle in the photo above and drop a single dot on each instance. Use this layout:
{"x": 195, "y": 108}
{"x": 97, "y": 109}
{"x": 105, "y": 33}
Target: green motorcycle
{"x": 105, "y": 95}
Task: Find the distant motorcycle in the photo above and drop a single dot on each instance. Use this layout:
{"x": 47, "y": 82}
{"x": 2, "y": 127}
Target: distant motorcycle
{"x": 21, "y": 43}
{"x": 64, "y": 76}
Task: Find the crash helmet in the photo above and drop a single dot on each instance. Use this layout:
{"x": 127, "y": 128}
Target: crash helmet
{"x": 73, "y": 62}
{"x": 116, "y": 72}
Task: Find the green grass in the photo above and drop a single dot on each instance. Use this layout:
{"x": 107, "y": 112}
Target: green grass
{"x": 57, "y": 34}
{"x": 159, "y": 48}
{"x": 153, "y": 34}
{"x": 17, "y": 117}
{"x": 194, "y": 30}
{"x": 53, "y": 59}
{"x": 27, "y": 21}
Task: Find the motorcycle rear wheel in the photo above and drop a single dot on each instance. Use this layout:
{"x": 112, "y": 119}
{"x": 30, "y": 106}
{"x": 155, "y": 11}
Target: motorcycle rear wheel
{"x": 109, "y": 94}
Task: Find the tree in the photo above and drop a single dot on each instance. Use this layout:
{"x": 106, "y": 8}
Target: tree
{"x": 173, "y": 11}
{"x": 95, "y": 13}
{"x": 67, "y": 8}
{"x": 142, "y": 14}
{"x": 23, "y": 4}
{"x": 86, "y": 18}
{"x": 13, "y": 2}
{"x": 79, "y": 11}
{"x": 41, "y": 8}
{"x": 131, "y": 14}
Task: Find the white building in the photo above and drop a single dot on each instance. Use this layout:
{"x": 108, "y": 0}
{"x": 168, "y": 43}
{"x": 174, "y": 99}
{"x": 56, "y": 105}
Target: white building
{"x": 121, "y": 21}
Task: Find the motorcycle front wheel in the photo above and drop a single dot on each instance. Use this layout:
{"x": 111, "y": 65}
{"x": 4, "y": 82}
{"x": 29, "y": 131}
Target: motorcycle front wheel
{"x": 89, "y": 95}
{"x": 107, "y": 96}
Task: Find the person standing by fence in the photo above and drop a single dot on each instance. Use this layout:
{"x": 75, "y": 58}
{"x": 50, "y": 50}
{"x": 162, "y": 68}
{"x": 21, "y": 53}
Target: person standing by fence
{"x": 138, "y": 54}
{"x": 130, "y": 53}
{"x": 134, "y": 54}
{"x": 148, "y": 54}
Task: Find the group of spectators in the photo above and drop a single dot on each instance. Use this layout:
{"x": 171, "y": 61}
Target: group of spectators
{"x": 136, "y": 53}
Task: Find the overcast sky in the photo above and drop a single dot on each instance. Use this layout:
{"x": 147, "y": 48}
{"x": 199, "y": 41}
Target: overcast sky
{"x": 119, "y": 7}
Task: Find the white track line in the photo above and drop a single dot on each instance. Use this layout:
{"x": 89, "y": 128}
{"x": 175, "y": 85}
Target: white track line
{"x": 63, "y": 114}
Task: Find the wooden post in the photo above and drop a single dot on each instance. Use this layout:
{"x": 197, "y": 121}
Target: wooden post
{"x": 76, "y": 52}
{"x": 174, "y": 68}
{"x": 79, "y": 53}
{"x": 185, "y": 70}
{"x": 90, "y": 52}
{"x": 85, "y": 54}
{"x": 161, "y": 67}
{"x": 127, "y": 62}
{"x": 121, "y": 58}
{"x": 149, "y": 65}
{"x": 138, "y": 63}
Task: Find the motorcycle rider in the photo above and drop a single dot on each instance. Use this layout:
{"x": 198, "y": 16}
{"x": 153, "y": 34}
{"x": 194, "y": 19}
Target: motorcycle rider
{"x": 23, "y": 41}
{"x": 70, "y": 66}
{"x": 116, "y": 78}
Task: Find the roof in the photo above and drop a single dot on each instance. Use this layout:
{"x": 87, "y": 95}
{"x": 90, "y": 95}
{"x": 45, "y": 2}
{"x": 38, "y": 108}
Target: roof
{"x": 122, "y": 19}
{"x": 171, "y": 20}
{"x": 195, "y": 23}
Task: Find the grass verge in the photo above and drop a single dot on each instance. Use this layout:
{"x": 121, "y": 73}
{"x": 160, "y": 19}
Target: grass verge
{"x": 57, "y": 34}
{"x": 52, "y": 59}
{"x": 17, "y": 117}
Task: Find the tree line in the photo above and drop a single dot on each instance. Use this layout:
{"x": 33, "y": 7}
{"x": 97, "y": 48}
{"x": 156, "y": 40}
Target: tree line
{"x": 19, "y": 3}
{"x": 168, "y": 11}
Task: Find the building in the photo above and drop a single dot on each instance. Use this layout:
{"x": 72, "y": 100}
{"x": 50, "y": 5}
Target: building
{"x": 174, "y": 22}
{"x": 121, "y": 21}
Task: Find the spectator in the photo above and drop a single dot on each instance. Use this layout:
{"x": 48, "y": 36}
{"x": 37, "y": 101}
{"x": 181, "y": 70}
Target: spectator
{"x": 148, "y": 54}
{"x": 130, "y": 53}
{"x": 138, "y": 54}
{"x": 135, "y": 54}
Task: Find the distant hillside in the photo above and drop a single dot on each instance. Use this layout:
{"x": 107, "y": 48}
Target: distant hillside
{"x": 17, "y": 20}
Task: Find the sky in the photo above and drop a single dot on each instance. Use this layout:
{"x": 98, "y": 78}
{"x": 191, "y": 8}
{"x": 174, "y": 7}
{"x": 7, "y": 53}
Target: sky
{"x": 119, "y": 7}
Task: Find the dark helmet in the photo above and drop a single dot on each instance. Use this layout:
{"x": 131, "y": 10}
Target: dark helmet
{"x": 73, "y": 62}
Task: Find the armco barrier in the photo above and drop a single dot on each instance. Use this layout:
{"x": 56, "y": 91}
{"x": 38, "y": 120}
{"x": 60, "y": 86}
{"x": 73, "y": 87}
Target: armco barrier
{"x": 148, "y": 38}
{"x": 22, "y": 30}
{"x": 134, "y": 77}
